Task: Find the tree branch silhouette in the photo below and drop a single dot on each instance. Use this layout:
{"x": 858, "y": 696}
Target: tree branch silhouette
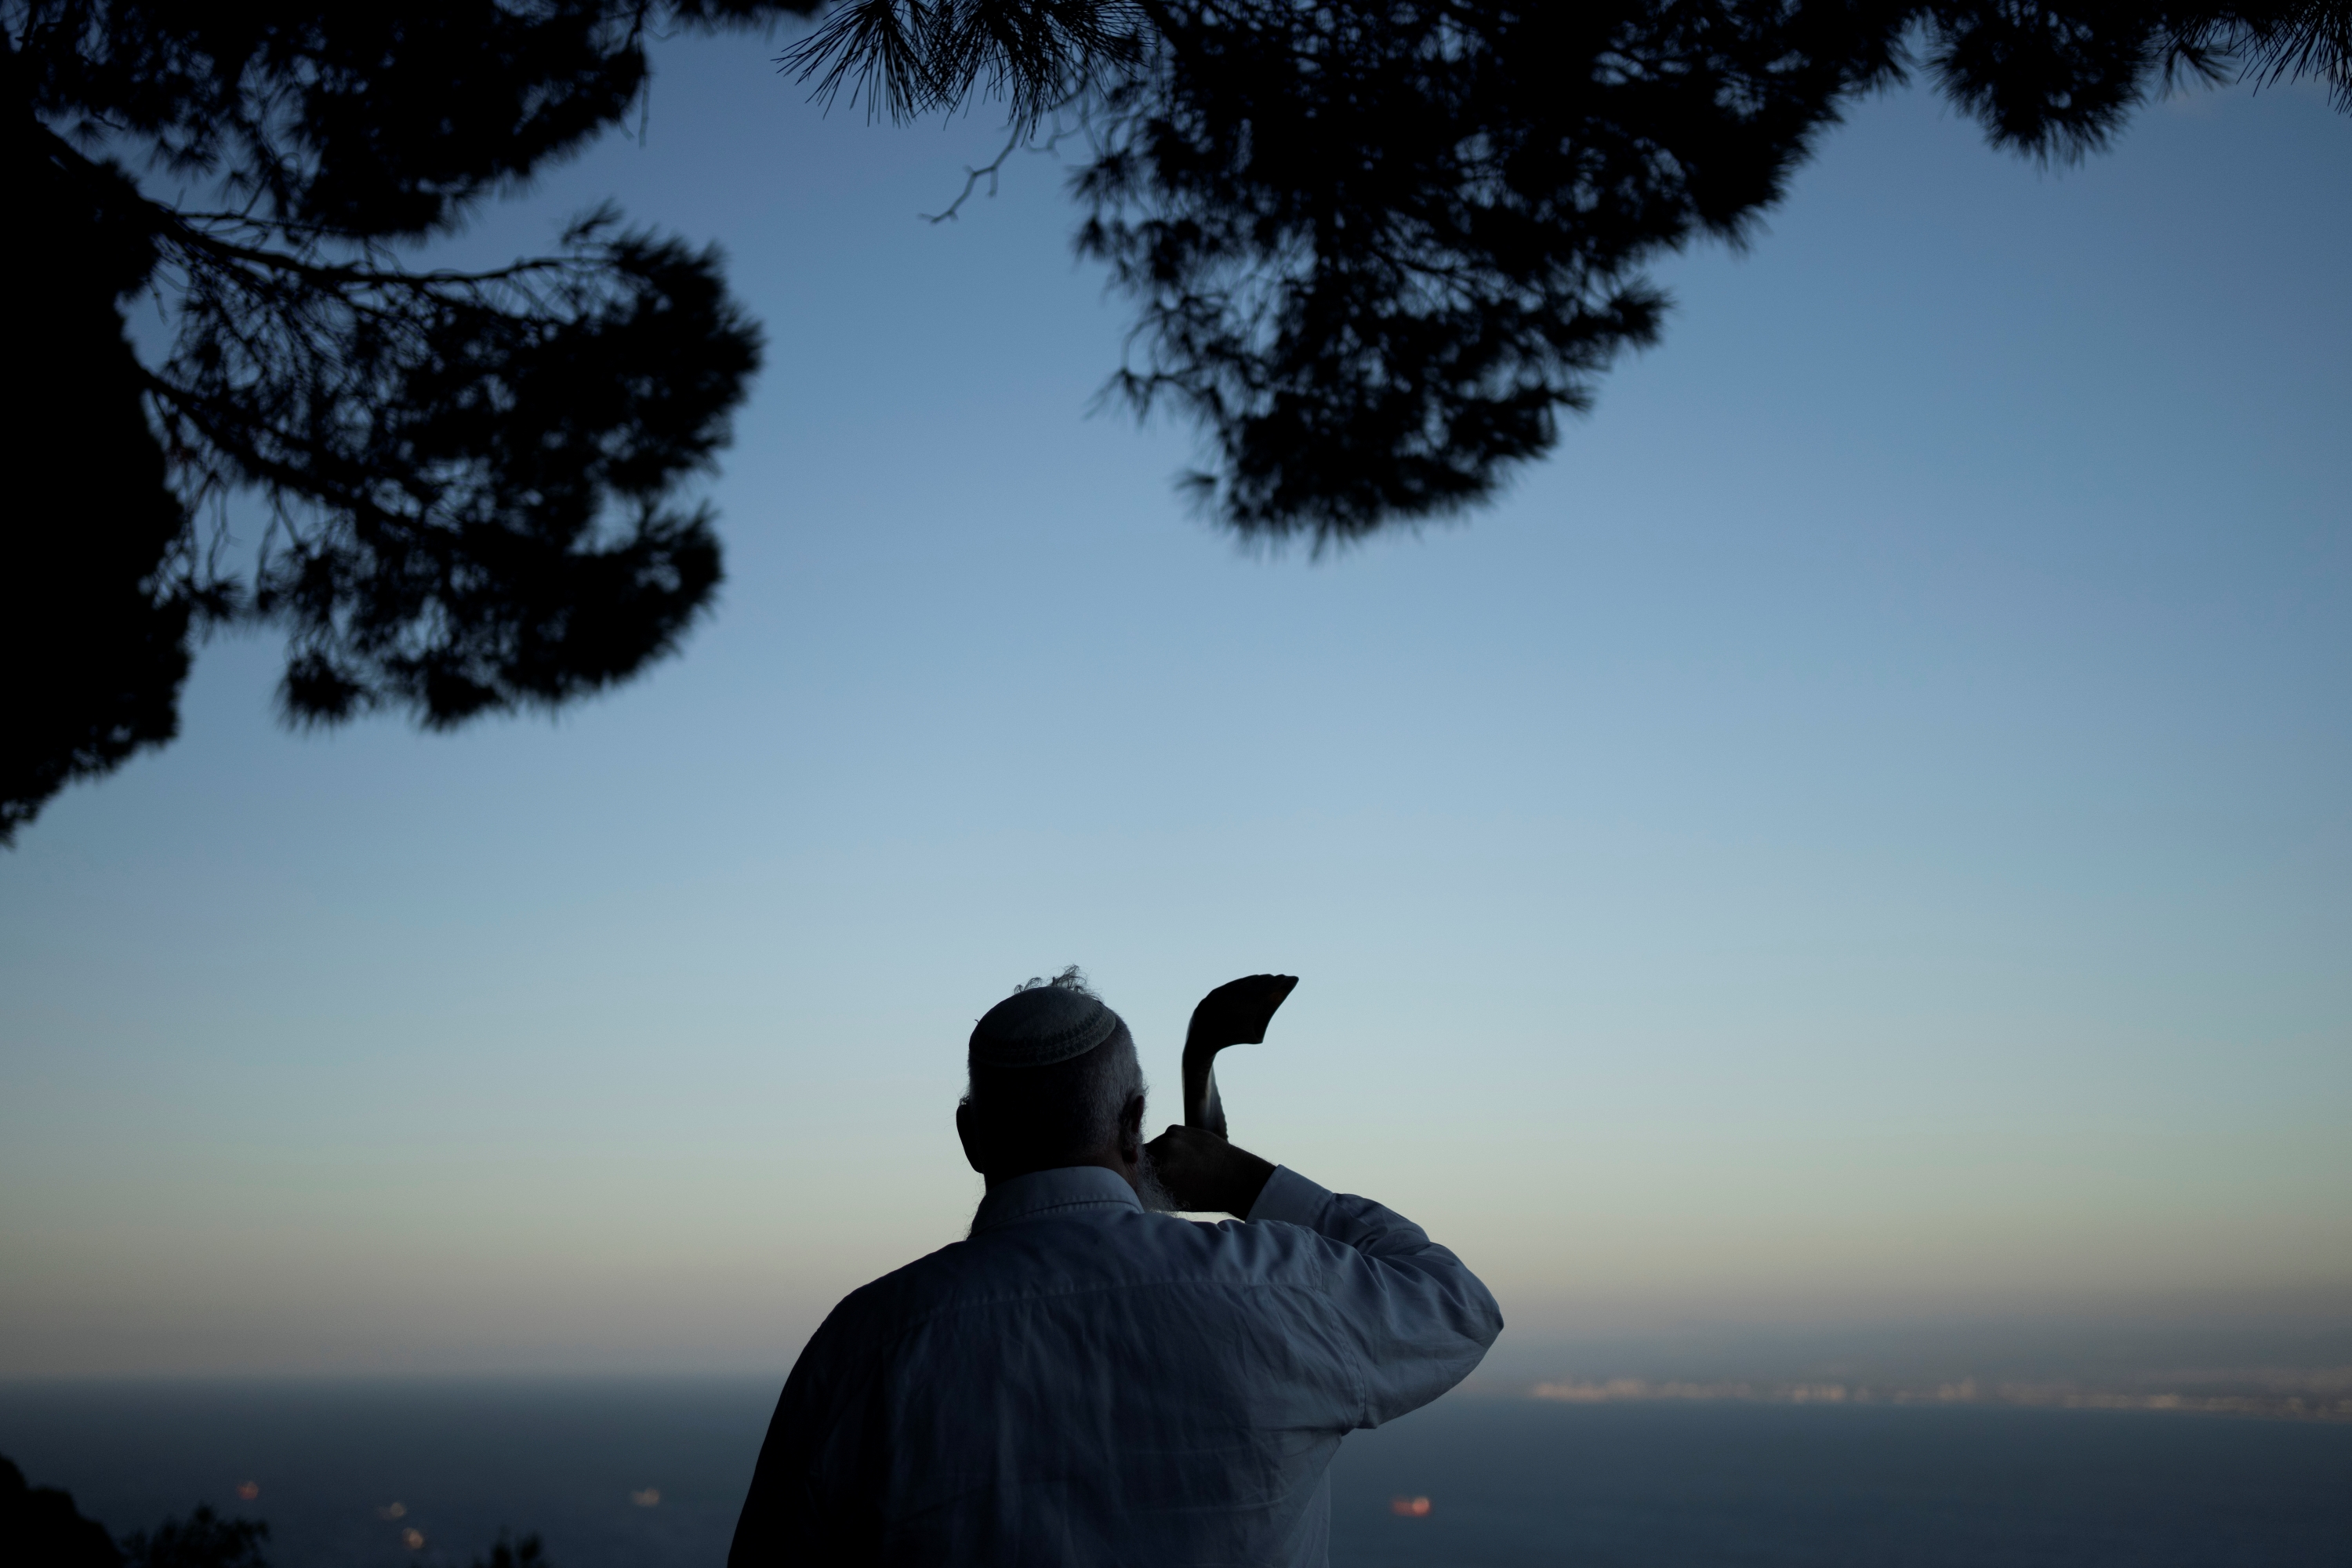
{"x": 1377, "y": 247}
{"x": 972, "y": 178}
{"x": 472, "y": 479}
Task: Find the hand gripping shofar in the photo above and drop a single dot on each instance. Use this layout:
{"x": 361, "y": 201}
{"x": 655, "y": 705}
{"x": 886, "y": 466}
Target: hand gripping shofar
{"x": 1234, "y": 1014}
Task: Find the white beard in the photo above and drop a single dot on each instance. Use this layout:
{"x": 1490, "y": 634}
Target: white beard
{"x": 1147, "y": 1187}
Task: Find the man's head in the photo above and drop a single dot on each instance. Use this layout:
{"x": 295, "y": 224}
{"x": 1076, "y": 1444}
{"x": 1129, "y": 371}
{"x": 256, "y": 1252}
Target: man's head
{"x": 1054, "y": 1082}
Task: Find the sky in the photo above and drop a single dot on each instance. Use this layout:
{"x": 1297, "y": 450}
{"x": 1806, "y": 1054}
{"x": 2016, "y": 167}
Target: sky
{"x": 1858, "y": 841}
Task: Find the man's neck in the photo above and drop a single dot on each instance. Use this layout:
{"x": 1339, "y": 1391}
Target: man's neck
{"x": 1108, "y": 1159}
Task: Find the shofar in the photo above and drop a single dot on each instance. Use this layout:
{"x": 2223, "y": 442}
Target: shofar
{"x": 1234, "y": 1014}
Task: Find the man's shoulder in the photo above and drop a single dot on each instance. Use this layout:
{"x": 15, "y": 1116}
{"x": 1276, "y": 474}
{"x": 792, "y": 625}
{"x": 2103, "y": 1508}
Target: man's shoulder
{"x": 903, "y": 1290}
{"x": 1052, "y": 1256}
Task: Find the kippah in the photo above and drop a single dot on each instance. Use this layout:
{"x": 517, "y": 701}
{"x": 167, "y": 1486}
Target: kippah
{"x": 1041, "y": 1026}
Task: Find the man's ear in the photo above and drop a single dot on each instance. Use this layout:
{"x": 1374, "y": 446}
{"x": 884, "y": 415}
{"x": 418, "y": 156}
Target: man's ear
{"x": 1130, "y": 1129}
{"x": 970, "y": 1135}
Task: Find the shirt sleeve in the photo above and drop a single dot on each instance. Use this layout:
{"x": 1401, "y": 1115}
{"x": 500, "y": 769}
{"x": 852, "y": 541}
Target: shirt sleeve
{"x": 1419, "y": 1320}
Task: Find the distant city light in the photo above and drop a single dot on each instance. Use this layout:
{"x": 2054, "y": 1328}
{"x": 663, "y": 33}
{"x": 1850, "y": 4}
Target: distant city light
{"x": 413, "y": 1539}
{"x": 649, "y": 1497}
{"x": 248, "y": 1491}
{"x": 393, "y": 1510}
{"x": 1409, "y": 1506}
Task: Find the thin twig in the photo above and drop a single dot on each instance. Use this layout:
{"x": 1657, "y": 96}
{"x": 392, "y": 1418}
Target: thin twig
{"x": 972, "y": 178}
{"x": 199, "y": 239}
{"x": 1024, "y": 138}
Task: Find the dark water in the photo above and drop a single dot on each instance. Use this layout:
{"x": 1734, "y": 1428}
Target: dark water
{"x": 1509, "y": 1483}
{"x": 1513, "y": 1483}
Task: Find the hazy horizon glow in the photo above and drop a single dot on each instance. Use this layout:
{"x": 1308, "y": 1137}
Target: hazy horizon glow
{"x": 1863, "y": 835}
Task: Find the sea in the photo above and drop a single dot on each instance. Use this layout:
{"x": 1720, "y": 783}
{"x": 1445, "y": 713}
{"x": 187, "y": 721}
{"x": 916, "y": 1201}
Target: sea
{"x": 648, "y": 1474}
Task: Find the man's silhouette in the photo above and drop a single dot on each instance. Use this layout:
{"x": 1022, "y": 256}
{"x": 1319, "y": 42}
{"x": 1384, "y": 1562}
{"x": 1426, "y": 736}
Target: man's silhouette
{"x": 1086, "y": 1381}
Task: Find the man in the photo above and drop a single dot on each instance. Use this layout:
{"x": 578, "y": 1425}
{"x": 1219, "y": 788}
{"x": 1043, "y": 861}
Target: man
{"x": 1086, "y": 1381}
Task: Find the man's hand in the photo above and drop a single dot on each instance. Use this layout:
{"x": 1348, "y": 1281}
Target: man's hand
{"x": 1204, "y": 1174}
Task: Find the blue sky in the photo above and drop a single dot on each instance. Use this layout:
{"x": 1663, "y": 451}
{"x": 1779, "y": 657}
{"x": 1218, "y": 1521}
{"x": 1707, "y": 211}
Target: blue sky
{"x": 1861, "y": 835}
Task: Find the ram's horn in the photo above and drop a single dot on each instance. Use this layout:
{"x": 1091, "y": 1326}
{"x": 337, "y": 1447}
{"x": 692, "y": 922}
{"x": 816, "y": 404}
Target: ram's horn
{"x": 1234, "y": 1014}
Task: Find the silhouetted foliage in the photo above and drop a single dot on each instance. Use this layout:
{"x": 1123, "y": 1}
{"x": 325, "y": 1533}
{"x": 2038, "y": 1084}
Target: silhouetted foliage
{"x": 203, "y": 1540}
{"x": 42, "y": 1528}
{"x": 470, "y": 480}
{"x": 93, "y": 631}
{"x": 1377, "y": 246}
{"x": 909, "y": 59}
{"x": 510, "y": 1553}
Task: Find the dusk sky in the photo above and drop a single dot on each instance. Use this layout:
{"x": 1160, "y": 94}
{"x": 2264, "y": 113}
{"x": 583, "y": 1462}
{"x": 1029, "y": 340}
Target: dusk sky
{"x": 1861, "y": 835}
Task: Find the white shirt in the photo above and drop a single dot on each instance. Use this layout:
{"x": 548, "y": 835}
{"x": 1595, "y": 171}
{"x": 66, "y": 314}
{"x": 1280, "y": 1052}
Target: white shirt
{"x": 1083, "y": 1383}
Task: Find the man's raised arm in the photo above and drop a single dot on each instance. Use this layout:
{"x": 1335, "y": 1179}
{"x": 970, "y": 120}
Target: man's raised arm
{"x": 1418, "y": 1319}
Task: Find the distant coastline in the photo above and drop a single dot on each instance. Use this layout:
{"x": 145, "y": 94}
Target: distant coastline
{"x": 2324, "y": 1395}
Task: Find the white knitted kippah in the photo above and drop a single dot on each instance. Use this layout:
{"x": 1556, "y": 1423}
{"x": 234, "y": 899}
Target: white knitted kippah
{"x": 1041, "y": 1024}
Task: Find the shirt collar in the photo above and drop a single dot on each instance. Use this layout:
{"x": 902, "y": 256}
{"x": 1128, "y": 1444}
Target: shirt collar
{"x": 1046, "y": 1192}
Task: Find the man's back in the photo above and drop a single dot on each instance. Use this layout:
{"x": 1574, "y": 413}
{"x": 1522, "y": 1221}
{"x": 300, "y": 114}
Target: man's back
{"x": 1086, "y": 1383}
